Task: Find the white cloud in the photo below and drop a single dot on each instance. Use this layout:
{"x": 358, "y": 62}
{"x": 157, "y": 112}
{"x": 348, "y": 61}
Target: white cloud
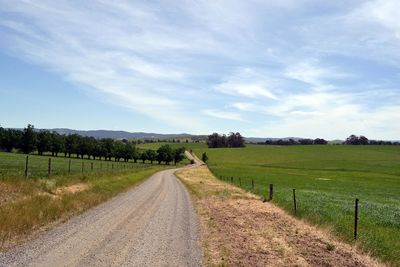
{"x": 223, "y": 115}
{"x": 246, "y": 82}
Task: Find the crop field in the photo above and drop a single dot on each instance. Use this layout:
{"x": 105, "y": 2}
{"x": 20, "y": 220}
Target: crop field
{"x": 327, "y": 180}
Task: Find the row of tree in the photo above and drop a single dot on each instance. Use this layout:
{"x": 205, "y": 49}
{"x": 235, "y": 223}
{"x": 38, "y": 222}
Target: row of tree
{"x": 232, "y": 140}
{"x": 291, "y": 141}
{"x": 28, "y": 141}
{"x": 362, "y": 140}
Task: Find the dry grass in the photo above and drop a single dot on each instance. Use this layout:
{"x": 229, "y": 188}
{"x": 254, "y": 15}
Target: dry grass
{"x": 239, "y": 230}
{"x": 28, "y": 207}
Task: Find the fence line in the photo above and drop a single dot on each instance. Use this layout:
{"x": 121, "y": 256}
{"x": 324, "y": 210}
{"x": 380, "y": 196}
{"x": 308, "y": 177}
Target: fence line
{"x": 231, "y": 179}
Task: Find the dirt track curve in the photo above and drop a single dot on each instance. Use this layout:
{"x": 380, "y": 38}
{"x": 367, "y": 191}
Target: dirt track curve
{"x": 153, "y": 224}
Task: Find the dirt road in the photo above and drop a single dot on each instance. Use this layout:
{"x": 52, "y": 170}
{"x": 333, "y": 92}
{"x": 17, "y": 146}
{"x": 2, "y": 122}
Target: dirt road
{"x": 153, "y": 224}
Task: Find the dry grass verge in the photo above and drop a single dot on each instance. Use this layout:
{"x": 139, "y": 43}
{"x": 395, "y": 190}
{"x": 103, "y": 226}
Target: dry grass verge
{"x": 239, "y": 230}
{"x": 30, "y": 207}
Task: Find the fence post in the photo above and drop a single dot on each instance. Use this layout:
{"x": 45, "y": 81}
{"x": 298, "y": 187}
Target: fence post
{"x": 294, "y": 201}
{"x": 356, "y": 219}
{"x": 91, "y": 166}
{"x": 252, "y": 184}
{"x": 83, "y": 166}
{"x": 49, "y": 168}
{"x": 69, "y": 167}
{"x": 26, "y": 166}
{"x": 231, "y": 179}
{"x": 240, "y": 182}
{"x": 112, "y": 166}
{"x": 271, "y": 191}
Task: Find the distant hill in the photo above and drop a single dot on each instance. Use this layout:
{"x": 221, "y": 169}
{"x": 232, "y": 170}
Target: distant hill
{"x": 120, "y": 134}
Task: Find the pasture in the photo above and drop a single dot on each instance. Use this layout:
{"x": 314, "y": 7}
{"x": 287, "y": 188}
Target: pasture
{"x": 327, "y": 180}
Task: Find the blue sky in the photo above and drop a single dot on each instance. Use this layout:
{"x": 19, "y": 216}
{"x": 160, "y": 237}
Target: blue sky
{"x": 265, "y": 68}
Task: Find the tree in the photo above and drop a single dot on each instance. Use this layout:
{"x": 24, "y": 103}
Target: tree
{"x": 204, "y": 157}
{"x": 57, "y": 142}
{"x": 107, "y": 147}
{"x": 72, "y": 145}
{"x": 28, "y": 140}
{"x": 43, "y": 141}
{"x": 143, "y": 156}
{"x": 10, "y": 139}
{"x": 178, "y": 155}
{"x": 362, "y": 140}
{"x": 320, "y": 141}
{"x": 233, "y": 140}
{"x": 151, "y": 155}
{"x": 165, "y": 153}
{"x": 135, "y": 156}
{"x": 356, "y": 140}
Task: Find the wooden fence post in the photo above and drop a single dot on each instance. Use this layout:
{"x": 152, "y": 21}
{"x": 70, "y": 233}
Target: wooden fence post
{"x": 231, "y": 179}
{"x": 69, "y": 167}
{"x": 91, "y": 166}
{"x": 26, "y": 166}
{"x": 83, "y": 166}
{"x": 252, "y": 184}
{"x": 356, "y": 219}
{"x": 49, "y": 168}
{"x": 294, "y": 201}
{"x": 240, "y": 182}
{"x": 271, "y": 191}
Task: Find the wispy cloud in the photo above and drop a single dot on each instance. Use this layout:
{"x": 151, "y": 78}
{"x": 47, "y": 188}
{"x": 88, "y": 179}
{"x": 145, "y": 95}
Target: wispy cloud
{"x": 223, "y": 115}
{"x": 288, "y": 67}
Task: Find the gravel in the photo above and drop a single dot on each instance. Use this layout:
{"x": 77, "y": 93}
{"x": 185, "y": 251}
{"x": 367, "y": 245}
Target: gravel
{"x": 153, "y": 224}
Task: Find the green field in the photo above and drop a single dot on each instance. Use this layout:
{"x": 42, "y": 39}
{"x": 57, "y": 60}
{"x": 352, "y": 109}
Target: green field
{"x": 327, "y": 180}
{"x": 12, "y": 165}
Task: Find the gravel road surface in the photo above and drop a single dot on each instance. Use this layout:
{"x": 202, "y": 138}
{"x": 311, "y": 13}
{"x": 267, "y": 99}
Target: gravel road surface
{"x": 153, "y": 224}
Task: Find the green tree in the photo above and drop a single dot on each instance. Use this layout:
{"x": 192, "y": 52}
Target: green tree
{"x": 204, "y": 157}
{"x": 28, "y": 140}
{"x": 165, "y": 153}
{"x": 57, "y": 142}
{"x": 43, "y": 141}
{"x": 151, "y": 155}
{"x": 178, "y": 155}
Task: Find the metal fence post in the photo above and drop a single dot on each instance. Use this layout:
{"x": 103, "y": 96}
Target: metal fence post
{"x": 26, "y": 166}
{"x": 356, "y": 219}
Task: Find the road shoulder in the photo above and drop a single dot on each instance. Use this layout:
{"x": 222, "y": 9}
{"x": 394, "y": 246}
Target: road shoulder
{"x": 237, "y": 229}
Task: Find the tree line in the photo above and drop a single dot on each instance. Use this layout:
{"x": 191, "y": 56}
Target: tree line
{"x": 351, "y": 140}
{"x": 362, "y": 140}
{"x": 232, "y": 140}
{"x": 291, "y": 141}
{"x": 28, "y": 141}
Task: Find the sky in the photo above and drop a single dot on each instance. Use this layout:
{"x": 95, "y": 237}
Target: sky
{"x": 264, "y": 68}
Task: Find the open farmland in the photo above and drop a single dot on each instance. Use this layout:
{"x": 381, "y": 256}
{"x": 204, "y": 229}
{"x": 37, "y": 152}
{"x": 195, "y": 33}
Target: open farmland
{"x": 327, "y": 180}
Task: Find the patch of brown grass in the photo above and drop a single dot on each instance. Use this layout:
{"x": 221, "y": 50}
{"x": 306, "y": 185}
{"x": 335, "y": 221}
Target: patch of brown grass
{"x": 239, "y": 230}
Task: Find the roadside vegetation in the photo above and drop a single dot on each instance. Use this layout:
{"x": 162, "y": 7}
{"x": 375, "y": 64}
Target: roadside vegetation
{"x": 327, "y": 180}
{"x": 238, "y": 229}
{"x": 27, "y": 205}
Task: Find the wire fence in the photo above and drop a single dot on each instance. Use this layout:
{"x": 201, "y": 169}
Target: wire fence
{"x": 268, "y": 195}
{"x": 32, "y": 166}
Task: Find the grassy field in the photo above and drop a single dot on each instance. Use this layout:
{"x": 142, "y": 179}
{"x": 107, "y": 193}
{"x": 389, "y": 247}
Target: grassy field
{"x": 29, "y": 204}
{"x": 12, "y": 165}
{"x": 327, "y": 180}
